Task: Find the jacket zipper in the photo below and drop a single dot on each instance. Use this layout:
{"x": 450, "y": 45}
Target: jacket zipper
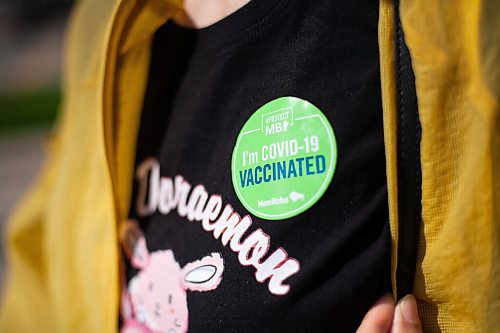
{"x": 408, "y": 166}
{"x": 119, "y": 24}
{"x": 123, "y": 13}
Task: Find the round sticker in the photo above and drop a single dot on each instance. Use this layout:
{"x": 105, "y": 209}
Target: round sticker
{"x": 284, "y": 158}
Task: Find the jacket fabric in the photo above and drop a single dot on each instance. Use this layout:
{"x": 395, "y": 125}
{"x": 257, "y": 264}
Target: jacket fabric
{"x": 62, "y": 241}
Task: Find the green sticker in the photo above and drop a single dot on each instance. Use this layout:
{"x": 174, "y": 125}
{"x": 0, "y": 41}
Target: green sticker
{"x": 284, "y": 158}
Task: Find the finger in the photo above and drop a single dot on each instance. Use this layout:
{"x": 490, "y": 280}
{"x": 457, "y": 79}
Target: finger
{"x": 406, "y": 318}
{"x": 130, "y": 233}
{"x": 379, "y": 318}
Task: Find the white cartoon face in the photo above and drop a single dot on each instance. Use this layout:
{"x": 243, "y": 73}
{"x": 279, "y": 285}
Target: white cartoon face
{"x": 157, "y": 294}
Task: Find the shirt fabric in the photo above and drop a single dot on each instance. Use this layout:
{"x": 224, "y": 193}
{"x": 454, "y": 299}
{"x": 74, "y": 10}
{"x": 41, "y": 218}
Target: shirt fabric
{"x": 203, "y": 85}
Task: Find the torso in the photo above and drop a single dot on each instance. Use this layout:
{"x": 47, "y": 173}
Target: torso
{"x": 203, "y": 87}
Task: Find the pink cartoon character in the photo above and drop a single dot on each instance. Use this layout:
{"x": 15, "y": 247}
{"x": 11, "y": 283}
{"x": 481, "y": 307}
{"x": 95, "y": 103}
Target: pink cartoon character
{"x": 156, "y": 298}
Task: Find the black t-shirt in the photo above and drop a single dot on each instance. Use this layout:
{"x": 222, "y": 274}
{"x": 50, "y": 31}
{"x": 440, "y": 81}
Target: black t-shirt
{"x": 319, "y": 270}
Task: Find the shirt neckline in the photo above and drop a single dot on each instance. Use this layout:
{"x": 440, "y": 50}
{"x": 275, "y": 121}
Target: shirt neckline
{"x": 234, "y": 27}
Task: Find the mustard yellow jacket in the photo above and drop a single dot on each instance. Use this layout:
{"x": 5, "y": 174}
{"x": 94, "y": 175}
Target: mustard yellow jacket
{"x": 63, "y": 258}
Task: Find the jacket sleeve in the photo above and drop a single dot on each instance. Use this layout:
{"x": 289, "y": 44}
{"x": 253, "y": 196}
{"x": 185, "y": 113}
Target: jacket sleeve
{"x": 455, "y": 52}
{"x": 62, "y": 260}
{"x": 25, "y": 285}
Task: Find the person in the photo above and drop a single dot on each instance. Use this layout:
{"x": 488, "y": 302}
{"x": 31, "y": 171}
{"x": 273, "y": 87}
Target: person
{"x": 251, "y": 229}
{"x": 384, "y": 317}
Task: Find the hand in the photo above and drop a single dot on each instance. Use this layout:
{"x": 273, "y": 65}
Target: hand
{"x": 383, "y": 317}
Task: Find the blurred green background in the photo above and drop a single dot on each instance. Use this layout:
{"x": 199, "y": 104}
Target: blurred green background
{"x": 34, "y": 108}
{"x": 30, "y": 62}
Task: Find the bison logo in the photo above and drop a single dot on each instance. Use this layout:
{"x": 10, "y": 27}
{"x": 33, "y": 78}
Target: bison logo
{"x": 155, "y": 301}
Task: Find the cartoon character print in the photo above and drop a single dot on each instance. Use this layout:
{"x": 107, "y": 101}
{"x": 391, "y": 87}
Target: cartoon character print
{"x": 156, "y": 298}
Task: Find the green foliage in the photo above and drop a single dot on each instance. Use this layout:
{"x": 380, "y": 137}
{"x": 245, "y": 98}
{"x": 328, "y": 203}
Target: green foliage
{"x": 37, "y": 108}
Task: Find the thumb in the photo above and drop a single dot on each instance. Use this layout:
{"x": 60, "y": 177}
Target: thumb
{"x": 406, "y": 318}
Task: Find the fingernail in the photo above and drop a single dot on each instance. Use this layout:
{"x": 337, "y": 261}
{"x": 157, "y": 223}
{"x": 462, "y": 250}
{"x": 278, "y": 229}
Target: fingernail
{"x": 409, "y": 310}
